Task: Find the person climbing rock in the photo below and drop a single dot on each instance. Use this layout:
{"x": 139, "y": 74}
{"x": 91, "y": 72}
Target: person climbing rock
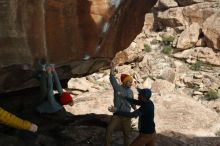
{"x": 9, "y": 119}
{"x": 146, "y": 123}
{"x": 122, "y": 104}
{"x": 50, "y": 104}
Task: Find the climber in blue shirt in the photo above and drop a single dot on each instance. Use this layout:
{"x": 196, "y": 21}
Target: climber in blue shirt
{"x": 146, "y": 123}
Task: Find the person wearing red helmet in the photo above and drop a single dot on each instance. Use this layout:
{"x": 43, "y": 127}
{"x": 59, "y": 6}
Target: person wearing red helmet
{"x": 51, "y": 103}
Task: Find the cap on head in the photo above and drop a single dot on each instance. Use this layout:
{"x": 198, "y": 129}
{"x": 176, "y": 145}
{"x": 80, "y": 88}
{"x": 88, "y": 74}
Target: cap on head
{"x": 144, "y": 92}
{"x": 125, "y": 78}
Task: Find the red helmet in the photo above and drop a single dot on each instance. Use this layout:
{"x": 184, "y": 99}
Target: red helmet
{"x": 65, "y": 98}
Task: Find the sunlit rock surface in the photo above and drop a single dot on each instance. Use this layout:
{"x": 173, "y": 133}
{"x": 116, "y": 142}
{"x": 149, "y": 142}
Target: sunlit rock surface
{"x": 66, "y": 32}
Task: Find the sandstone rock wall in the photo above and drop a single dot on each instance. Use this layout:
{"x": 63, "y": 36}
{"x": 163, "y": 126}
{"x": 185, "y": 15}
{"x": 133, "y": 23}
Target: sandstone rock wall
{"x": 64, "y": 32}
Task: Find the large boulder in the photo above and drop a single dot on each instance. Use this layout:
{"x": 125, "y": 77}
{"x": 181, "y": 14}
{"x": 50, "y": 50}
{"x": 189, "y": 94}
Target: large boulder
{"x": 64, "y": 32}
{"x": 149, "y": 24}
{"x": 163, "y": 87}
{"x": 211, "y": 29}
{"x": 204, "y": 54}
{"x": 198, "y": 13}
{"x": 165, "y": 4}
{"x": 172, "y": 17}
{"x": 184, "y": 16}
{"x": 189, "y": 37}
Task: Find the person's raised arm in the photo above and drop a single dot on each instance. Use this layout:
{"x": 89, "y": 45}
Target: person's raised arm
{"x": 50, "y": 85}
{"x": 112, "y": 78}
{"x": 56, "y": 80}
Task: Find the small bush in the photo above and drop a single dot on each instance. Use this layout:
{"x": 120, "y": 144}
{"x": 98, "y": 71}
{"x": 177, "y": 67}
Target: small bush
{"x": 167, "y": 50}
{"x": 197, "y": 66}
{"x": 147, "y": 48}
{"x": 211, "y": 95}
{"x": 167, "y": 40}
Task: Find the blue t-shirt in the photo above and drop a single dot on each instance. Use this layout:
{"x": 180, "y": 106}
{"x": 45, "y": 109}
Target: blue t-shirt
{"x": 119, "y": 93}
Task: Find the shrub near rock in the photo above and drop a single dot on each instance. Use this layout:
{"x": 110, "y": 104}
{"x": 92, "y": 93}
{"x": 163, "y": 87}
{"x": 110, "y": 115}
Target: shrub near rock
{"x": 167, "y": 40}
{"x": 167, "y": 50}
{"x": 197, "y": 66}
{"x": 211, "y": 95}
{"x": 166, "y": 44}
{"x": 147, "y": 48}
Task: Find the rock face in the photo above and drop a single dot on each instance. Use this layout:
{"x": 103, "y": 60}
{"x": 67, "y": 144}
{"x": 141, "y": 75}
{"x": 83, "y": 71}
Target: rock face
{"x": 190, "y": 2}
{"x": 164, "y": 4}
{"x": 184, "y": 16}
{"x": 63, "y": 31}
{"x": 205, "y": 54}
{"x": 189, "y": 37}
{"x": 211, "y": 28}
{"x": 162, "y": 87}
{"x": 172, "y": 17}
